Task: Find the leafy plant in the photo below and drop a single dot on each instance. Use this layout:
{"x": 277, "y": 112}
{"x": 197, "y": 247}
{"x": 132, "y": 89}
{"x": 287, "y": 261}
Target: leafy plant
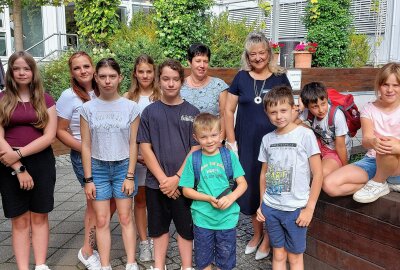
{"x": 227, "y": 40}
{"x": 96, "y": 19}
{"x": 276, "y": 47}
{"x": 328, "y": 24}
{"x": 310, "y": 47}
{"x": 359, "y": 50}
{"x": 179, "y": 24}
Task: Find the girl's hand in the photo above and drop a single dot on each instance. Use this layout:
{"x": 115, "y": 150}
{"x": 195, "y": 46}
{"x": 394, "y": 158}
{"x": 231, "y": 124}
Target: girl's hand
{"x": 260, "y": 217}
{"x": 8, "y": 158}
{"x": 25, "y": 180}
{"x": 389, "y": 145}
{"x": 90, "y": 191}
{"x": 128, "y": 187}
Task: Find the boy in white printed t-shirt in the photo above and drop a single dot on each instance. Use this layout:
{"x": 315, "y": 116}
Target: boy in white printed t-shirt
{"x": 335, "y": 145}
{"x": 289, "y": 156}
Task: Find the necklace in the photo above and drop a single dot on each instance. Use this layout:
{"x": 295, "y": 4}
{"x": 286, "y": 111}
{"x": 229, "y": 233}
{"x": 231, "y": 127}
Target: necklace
{"x": 257, "y": 93}
{"x": 198, "y": 83}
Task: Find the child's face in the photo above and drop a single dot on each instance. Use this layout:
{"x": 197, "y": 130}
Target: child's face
{"x": 145, "y": 75}
{"x": 22, "y": 72}
{"x": 390, "y": 90}
{"x": 170, "y": 82}
{"x": 281, "y": 115}
{"x": 319, "y": 109}
{"x": 209, "y": 140}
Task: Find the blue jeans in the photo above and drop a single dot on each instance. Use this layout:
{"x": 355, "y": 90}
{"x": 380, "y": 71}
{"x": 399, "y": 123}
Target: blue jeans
{"x": 283, "y": 230}
{"x": 76, "y": 161}
{"x": 108, "y": 177}
{"x": 217, "y": 246}
{"x": 368, "y": 164}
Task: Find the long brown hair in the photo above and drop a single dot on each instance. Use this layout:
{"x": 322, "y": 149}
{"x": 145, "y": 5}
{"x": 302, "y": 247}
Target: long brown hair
{"x": 10, "y": 99}
{"x": 76, "y": 87}
{"x": 133, "y": 92}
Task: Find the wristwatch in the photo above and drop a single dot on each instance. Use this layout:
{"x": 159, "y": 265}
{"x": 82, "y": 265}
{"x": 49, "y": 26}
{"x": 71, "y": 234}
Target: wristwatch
{"x": 19, "y": 170}
{"x": 88, "y": 180}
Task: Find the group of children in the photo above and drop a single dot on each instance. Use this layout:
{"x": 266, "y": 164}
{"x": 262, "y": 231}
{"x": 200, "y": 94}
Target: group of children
{"x": 191, "y": 180}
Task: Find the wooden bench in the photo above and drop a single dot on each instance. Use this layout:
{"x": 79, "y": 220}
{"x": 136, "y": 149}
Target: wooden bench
{"x": 345, "y": 234}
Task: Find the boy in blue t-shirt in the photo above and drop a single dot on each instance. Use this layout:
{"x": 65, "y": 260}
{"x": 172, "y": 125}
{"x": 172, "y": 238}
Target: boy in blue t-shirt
{"x": 289, "y": 155}
{"x": 214, "y": 218}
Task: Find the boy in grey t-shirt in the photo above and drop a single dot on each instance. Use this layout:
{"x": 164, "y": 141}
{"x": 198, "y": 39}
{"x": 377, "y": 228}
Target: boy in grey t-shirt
{"x": 289, "y": 155}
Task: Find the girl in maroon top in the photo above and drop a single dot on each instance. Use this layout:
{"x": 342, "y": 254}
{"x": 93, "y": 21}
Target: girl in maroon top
{"x": 28, "y": 124}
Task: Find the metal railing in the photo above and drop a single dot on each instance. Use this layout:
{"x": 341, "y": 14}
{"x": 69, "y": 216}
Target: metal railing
{"x": 58, "y": 40}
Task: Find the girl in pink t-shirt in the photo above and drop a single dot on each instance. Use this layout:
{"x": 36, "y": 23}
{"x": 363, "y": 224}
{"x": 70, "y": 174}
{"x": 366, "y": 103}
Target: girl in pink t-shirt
{"x": 28, "y": 124}
{"x": 379, "y": 171}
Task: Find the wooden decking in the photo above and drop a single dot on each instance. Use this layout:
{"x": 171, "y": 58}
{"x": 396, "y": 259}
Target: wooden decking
{"x": 345, "y": 234}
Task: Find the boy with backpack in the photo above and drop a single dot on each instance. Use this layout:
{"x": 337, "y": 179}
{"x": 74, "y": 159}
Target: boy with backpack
{"x": 330, "y": 124}
{"x": 207, "y": 179}
{"x": 289, "y": 157}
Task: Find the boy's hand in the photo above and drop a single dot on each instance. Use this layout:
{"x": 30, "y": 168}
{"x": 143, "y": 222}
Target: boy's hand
{"x": 169, "y": 185}
{"x": 213, "y": 201}
{"x": 305, "y": 217}
{"x": 260, "y": 217}
{"x": 224, "y": 202}
{"x": 128, "y": 186}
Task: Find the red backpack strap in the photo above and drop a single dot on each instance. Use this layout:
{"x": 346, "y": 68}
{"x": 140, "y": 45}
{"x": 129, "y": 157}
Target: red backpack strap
{"x": 331, "y": 119}
{"x": 310, "y": 118}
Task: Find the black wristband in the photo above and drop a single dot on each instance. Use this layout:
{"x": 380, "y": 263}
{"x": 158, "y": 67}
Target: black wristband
{"x": 88, "y": 180}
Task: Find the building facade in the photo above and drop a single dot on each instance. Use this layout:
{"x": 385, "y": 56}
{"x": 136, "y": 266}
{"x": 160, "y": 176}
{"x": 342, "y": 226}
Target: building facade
{"x": 48, "y": 28}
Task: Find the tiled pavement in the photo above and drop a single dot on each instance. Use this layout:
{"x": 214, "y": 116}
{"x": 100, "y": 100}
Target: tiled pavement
{"x": 66, "y": 232}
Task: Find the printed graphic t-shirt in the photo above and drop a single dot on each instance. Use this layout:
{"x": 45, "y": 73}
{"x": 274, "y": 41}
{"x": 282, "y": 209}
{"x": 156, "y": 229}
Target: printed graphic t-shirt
{"x": 169, "y": 130}
{"x": 288, "y": 174}
{"x": 213, "y": 181}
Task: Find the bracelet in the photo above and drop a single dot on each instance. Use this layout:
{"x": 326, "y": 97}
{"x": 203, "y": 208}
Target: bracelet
{"x": 130, "y": 178}
{"x": 178, "y": 175}
{"x": 19, "y": 153}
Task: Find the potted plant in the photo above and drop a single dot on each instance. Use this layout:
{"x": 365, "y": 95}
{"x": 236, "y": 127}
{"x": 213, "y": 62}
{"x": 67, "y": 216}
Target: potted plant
{"x": 303, "y": 54}
{"x": 276, "y": 49}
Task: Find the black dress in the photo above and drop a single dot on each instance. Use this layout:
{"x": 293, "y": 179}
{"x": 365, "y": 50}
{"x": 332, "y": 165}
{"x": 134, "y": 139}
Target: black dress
{"x": 251, "y": 125}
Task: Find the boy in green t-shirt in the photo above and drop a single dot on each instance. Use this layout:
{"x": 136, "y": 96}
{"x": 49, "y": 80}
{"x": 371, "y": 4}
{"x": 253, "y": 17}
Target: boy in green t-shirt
{"x": 214, "y": 219}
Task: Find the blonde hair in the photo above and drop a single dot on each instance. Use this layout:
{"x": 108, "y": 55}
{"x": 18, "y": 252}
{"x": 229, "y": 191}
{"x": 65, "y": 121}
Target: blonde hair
{"x": 10, "y": 99}
{"x": 205, "y": 121}
{"x": 134, "y": 91}
{"x": 384, "y": 73}
{"x": 255, "y": 38}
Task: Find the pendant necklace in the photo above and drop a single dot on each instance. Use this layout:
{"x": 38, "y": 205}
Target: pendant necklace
{"x": 257, "y": 93}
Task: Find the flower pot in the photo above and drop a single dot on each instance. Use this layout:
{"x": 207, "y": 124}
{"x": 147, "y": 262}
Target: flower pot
{"x": 302, "y": 59}
{"x": 275, "y": 58}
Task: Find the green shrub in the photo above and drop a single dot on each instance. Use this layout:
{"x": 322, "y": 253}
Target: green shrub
{"x": 181, "y": 23}
{"x": 328, "y": 24}
{"x": 130, "y": 42}
{"x": 359, "y": 50}
{"x": 227, "y": 41}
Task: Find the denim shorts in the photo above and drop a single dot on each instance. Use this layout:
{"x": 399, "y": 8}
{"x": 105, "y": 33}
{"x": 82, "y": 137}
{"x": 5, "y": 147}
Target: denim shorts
{"x": 218, "y": 246}
{"x": 108, "y": 177}
{"x": 283, "y": 230}
{"x": 368, "y": 164}
{"x": 76, "y": 161}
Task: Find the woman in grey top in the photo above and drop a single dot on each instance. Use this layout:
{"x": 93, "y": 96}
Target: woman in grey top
{"x": 206, "y": 93}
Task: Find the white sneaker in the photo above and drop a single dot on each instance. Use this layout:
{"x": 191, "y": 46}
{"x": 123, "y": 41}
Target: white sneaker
{"x": 153, "y": 268}
{"x": 132, "y": 266}
{"x": 145, "y": 253}
{"x": 106, "y": 268}
{"x": 371, "y": 192}
{"x": 42, "y": 267}
{"x": 92, "y": 262}
{"x": 394, "y": 187}
{"x": 151, "y": 242}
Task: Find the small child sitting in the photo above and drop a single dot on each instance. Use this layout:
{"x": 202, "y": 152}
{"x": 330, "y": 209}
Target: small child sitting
{"x": 214, "y": 209}
{"x": 335, "y": 147}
